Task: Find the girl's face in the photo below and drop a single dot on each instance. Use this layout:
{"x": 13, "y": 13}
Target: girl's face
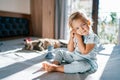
{"x": 80, "y": 27}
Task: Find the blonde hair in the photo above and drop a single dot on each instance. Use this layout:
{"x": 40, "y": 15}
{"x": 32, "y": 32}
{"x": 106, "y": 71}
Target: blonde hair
{"x": 81, "y": 16}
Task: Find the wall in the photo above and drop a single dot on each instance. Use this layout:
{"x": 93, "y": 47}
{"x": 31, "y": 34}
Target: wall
{"x": 19, "y": 6}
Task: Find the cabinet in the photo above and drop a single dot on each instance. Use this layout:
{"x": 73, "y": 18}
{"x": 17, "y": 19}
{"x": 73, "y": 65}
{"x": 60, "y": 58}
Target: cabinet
{"x": 42, "y": 15}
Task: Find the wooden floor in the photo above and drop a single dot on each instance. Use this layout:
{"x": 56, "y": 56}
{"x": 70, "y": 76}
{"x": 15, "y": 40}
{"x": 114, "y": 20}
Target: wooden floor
{"x": 15, "y": 63}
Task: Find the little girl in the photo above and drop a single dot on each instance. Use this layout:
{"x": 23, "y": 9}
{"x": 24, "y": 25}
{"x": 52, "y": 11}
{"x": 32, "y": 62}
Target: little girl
{"x": 82, "y": 45}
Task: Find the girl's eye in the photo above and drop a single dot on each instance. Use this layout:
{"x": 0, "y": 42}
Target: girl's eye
{"x": 83, "y": 24}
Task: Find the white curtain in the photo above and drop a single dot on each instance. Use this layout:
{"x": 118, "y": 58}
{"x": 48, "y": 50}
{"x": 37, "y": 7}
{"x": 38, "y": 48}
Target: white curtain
{"x": 60, "y": 19}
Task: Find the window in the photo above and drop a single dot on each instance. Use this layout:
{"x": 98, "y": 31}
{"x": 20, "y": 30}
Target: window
{"x": 108, "y": 21}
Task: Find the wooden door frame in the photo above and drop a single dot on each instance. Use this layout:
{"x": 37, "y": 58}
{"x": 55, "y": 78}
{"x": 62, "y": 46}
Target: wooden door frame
{"x": 95, "y": 7}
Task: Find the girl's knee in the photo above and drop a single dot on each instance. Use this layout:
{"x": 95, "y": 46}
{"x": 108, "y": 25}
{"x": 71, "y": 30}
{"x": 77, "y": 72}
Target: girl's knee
{"x": 60, "y": 52}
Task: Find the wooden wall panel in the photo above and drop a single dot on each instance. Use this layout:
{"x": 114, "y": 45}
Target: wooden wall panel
{"x": 42, "y": 12}
{"x": 14, "y": 14}
{"x": 36, "y": 16}
{"x": 48, "y": 19}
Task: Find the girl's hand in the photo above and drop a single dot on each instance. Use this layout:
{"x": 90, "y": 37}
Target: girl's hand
{"x": 72, "y": 33}
{"x": 77, "y": 35}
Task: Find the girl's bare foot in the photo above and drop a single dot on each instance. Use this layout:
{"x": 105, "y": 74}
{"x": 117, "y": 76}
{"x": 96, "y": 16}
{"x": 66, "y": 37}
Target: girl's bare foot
{"x": 44, "y": 67}
{"x": 49, "y": 67}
